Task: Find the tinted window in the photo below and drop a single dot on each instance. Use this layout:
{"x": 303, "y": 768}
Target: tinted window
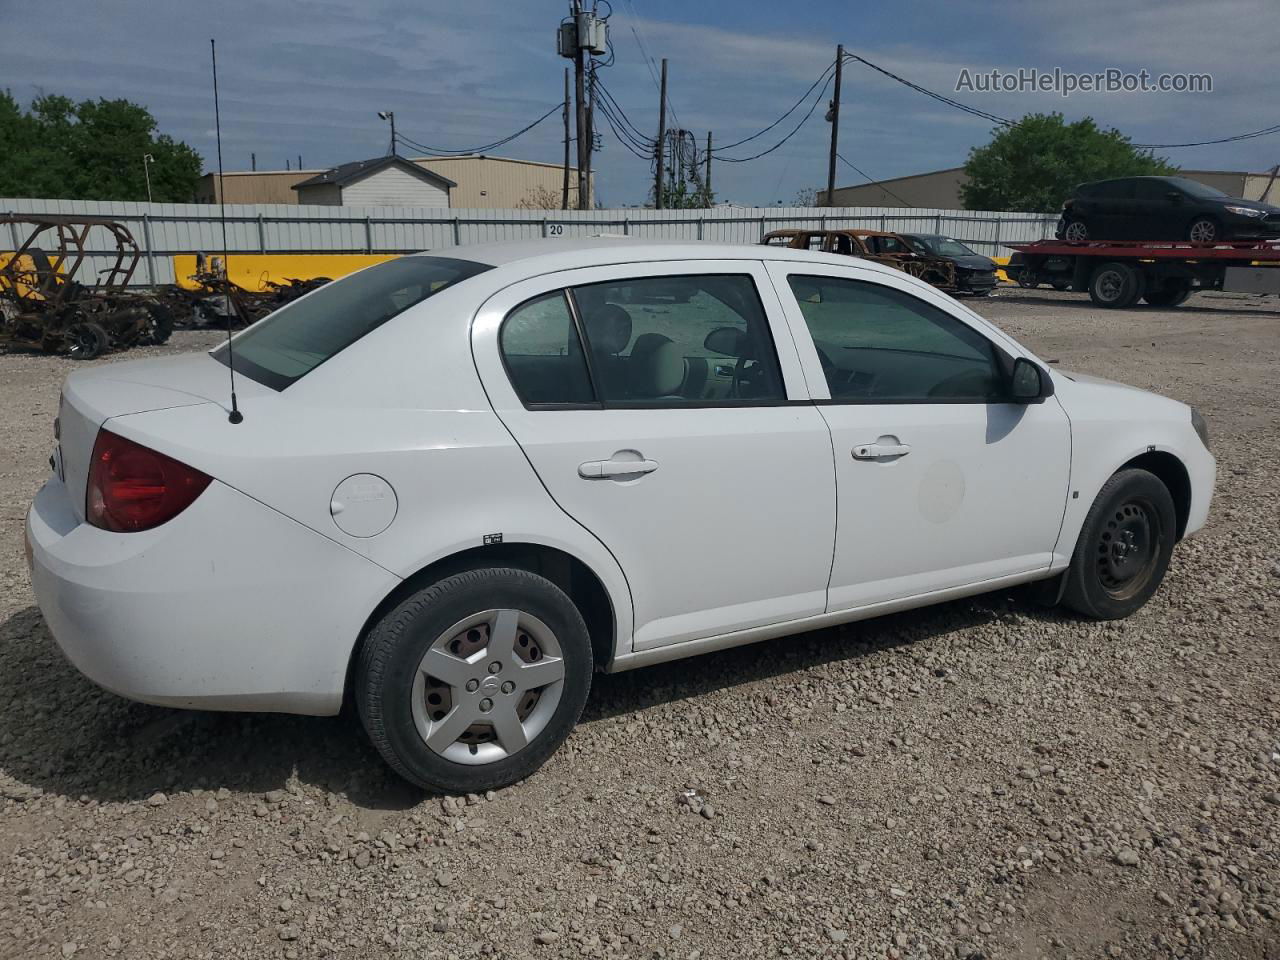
{"x": 1154, "y": 190}
{"x": 951, "y": 248}
{"x": 1196, "y": 188}
{"x": 1114, "y": 190}
{"x": 880, "y": 344}
{"x": 543, "y": 355}
{"x": 297, "y": 338}
{"x": 681, "y": 340}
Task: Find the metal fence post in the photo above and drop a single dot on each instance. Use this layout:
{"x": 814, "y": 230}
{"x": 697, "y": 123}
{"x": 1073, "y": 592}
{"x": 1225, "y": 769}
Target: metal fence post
{"x": 998, "y": 222}
{"x": 368, "y": 234}
{"x": 544, "y": 227}
{"x": 883, "y": 222}
{"x": 457, "y": 231}
{"x": 148, "y": 246}
{"x": 937, "y": 223}
{"x": 626, "y": 227}
{"x": 13, "y": 232}
{"x": 699, "y": 226}
{"x": 262, "y": 234}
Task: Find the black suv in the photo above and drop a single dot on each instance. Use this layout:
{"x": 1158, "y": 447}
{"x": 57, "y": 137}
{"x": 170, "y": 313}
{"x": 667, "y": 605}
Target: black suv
{"x": 1163, "y": 208}
{"x": 975, "y": 273}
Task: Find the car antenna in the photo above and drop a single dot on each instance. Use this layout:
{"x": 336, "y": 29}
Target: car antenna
{"x": 235, "y": 416}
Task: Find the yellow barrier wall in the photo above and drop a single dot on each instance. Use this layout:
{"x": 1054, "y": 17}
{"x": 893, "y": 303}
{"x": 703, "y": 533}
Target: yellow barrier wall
{"x": 251, "y": 271}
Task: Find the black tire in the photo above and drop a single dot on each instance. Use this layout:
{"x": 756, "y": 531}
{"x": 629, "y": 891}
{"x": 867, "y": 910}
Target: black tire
{"x": 387, "y": 669}
{"x": 159, "y": 324}
{"x": 1075, "y": 230}
{"x": 1115, "y": 284}
{"x": 1028, "y": 280}
{"x": 86, "y": 341}
{"x": 1124, "y": 547}
{"x": 1170, "y": 294}
{"x": 1204, "y": 230}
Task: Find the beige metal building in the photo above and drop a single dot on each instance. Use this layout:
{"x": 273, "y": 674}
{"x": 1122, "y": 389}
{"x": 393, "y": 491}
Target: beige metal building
{"x": 480, "y": 181}
{"x": 941, "y": 189}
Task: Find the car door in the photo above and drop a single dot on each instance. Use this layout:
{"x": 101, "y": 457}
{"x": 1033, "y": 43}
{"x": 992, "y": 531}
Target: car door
{"x": 1118, "y": 212}
{"x": 941, "y": 483}
{"x": 656, "y": 402}
{"x": 1157, "y": 216}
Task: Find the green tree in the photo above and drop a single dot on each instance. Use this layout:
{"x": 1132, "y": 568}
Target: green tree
{"x": 92, "y": 150}
{"x": 1035, "y": 165}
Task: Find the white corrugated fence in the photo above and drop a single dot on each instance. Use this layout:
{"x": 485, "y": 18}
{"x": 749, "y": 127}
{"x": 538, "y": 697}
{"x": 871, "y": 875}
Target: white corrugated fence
{"x": 165, "y": 229}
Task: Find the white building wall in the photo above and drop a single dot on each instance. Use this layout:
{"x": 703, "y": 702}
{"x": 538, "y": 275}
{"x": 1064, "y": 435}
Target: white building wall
{"x": 392, "y": 187}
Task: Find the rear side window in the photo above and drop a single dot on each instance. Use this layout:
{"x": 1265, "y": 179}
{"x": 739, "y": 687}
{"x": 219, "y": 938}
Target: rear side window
{"x": 679, "y": 341}
{"x": 543, "y": 354}
{"x": 672, "y": 341}
{"x": 1114, "y": 190}
{"x": 297, "y": 338}
{"x": 880, "y": 345}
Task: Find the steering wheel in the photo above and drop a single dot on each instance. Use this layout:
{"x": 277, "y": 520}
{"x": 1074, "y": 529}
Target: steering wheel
{"x": 745, "y": 377}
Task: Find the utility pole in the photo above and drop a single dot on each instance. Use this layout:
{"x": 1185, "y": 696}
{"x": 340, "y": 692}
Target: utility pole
{"x": 707, "y": 182}
{"x": 253, "y": 161}
{"x": 591, "y": 129}
{"x": 834, "y": 116}
{"x": 662, "y": 137}
{"x": 584, "y": 136}
{"x": 564, "y": 190}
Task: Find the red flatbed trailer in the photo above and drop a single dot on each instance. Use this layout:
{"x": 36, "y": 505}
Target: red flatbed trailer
{"x": 1119, "y": 273}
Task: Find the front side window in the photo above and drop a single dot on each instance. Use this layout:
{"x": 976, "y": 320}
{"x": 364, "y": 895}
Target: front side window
{"x": 679, "y": 341}
{"x": 881, "y": 345}
{"x": 290, "y": 343}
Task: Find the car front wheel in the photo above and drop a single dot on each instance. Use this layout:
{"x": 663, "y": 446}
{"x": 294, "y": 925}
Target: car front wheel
{"x": 470, "y": 684}
{"x": 1124, "y": 547}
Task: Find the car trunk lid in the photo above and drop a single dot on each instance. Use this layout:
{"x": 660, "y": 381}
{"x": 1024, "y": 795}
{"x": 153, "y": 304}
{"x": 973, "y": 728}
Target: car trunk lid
{"x": 92, "y": 397}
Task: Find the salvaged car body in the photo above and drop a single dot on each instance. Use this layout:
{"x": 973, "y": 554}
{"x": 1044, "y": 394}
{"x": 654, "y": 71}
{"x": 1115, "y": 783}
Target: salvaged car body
{"x": 879, "y": 246}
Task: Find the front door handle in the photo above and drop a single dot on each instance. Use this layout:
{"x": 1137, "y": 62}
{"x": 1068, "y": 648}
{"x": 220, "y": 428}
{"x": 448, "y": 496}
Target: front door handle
{"x": 613, "y": 469}
{"x": 874, "y": 451}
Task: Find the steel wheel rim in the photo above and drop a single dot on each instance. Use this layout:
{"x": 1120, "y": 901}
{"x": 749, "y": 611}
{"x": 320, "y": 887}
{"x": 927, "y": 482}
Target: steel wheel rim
{"x": 1076, "y": 230}
{"x": 1202, "y": 231}
{"x": 1127, "y": 549}
{"x": 488, "y": 686}
{"x": 82, "y": 342}
{"x": 1110, "y": 283}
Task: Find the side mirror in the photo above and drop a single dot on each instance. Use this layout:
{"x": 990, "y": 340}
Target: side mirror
{"x": 1029, "y": 383}
{"x": 726, "y": 341}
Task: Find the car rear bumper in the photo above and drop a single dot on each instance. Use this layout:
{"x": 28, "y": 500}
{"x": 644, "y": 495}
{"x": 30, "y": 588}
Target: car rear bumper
{"x": 229, "y": 606}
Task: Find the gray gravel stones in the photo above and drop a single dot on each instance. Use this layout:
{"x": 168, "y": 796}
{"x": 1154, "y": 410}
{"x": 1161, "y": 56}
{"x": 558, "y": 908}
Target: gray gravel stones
{"x": 955, "y": 782}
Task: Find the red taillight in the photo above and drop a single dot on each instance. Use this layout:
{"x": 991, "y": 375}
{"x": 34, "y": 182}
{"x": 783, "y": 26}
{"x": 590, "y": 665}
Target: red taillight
{"x": 132, "y": 488}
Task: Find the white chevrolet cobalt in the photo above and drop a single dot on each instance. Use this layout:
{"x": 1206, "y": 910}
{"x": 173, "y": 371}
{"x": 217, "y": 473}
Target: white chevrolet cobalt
{"x": 455, "y": 486}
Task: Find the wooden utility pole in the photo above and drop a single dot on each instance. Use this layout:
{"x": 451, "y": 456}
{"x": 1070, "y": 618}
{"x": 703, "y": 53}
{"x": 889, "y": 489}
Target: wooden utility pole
{"x": 564, "y": 190}
{"x": 584, "y": 135}
{"x": 707, "y": 184}
{"x": 835, "y": 129}
{"x": 662, "y": 136}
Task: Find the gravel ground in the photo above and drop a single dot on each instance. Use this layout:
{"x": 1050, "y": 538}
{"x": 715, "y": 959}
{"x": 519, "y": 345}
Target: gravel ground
{"x": 980, "y": 779}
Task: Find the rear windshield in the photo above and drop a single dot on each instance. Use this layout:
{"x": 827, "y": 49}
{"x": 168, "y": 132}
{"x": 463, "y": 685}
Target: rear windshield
{"x": 297, "y": 338}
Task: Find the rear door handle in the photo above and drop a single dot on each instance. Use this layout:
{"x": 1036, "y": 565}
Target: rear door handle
{"x": 874, "y": 451}
{"x": 609, "y": 469}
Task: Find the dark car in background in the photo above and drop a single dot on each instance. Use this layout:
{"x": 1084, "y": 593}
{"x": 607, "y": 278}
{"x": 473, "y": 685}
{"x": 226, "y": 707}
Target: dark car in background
{"x": 975, "y": 273}
{"x": 1163, "y": 208}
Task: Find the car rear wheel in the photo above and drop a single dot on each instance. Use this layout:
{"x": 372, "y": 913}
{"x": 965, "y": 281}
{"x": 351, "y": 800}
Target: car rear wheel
{"x": 1124, "y": 547}
{"x": 1075, "y": 231}
{"x": 1203, "y": 230}
{"x": 85, "y": 341}
{"x": 470, "y": 684}
{"x": 1116, "y": 284}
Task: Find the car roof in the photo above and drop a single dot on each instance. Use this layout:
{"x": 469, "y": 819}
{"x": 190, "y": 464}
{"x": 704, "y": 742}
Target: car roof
{"x": 545, "y": 255}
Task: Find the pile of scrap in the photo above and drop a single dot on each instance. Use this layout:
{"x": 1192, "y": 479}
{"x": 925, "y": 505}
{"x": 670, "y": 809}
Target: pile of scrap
{"x": 44, "y": 305}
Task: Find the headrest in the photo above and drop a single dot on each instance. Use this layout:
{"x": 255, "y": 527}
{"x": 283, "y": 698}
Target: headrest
{"x": 608, "y": 328}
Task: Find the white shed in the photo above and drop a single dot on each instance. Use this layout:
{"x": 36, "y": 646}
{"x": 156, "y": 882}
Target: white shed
{"x": 383, "y": 182}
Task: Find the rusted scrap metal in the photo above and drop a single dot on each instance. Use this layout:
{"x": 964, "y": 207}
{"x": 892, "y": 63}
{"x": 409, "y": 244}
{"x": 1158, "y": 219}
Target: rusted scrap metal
{"x": 44, "y": 305}
{"x": 880, "y": 246}
{"x": 218, "y": 300}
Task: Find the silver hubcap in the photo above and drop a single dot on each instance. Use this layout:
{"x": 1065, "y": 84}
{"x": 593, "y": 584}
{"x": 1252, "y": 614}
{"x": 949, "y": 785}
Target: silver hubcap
{"x": 1202, "y": 231}
{"x": 488, "y": 686}
{"x": 1076, "y": 231}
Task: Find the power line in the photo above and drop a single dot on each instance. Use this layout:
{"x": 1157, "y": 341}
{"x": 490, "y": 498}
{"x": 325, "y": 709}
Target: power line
{"x": 803, "y": 97}
{"x": 794, "y": 130}
{"x": 869, "y": 180}
{"x": 483, "y": 147}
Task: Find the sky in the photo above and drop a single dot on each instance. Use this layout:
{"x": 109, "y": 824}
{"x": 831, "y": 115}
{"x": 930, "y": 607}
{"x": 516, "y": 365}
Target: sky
{"x": 307, "y": 79}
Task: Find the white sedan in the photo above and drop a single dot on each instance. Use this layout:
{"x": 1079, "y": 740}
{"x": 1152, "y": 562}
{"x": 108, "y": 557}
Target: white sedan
{"x": 460, "y": 484}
